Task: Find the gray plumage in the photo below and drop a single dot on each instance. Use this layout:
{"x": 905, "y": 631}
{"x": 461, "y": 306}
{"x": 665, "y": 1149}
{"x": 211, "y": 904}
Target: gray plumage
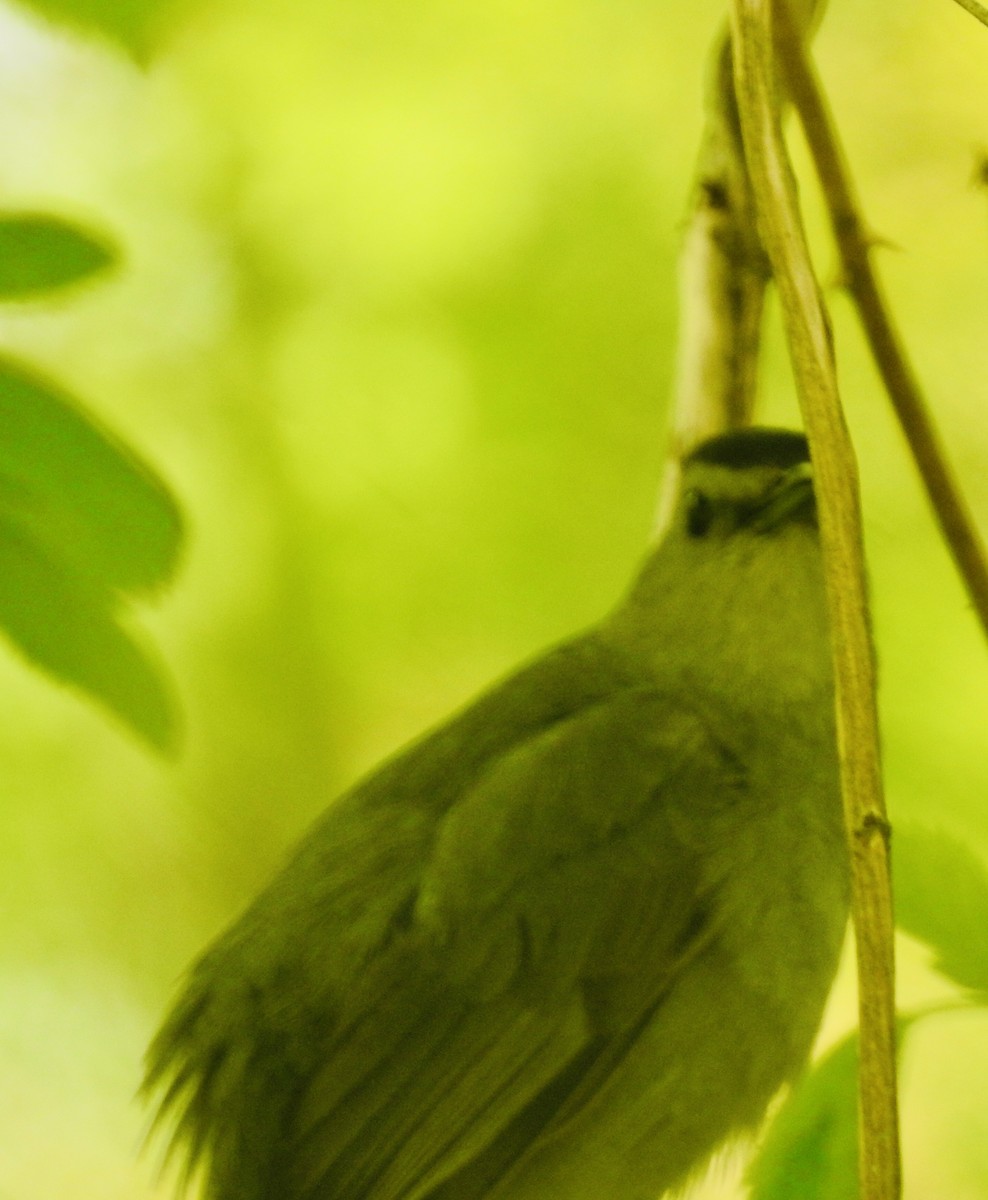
{"x": 574, "y": 938}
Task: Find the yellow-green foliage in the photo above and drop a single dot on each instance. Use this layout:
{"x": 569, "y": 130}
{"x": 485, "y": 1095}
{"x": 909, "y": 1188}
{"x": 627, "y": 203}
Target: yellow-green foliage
{"x": 396, "y": 321}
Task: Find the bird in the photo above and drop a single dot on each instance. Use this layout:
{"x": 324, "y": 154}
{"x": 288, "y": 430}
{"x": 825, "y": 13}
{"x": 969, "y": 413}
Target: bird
{"x": 575, "y": 938}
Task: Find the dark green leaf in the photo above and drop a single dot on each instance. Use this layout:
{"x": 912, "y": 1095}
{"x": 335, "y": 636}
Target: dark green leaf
{"x": 39, "y": 253}
{"x": 79, "y": 492}
{"x": 811, "y": 1149}
{"x": 69, "y": 626}
{"x": 941, "y": 897}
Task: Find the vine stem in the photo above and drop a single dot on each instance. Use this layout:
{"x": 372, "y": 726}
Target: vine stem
{"x": 854, "y": 246}
{"x": 975, "y": 9}
{"x": 835, "y": 472}
{"x": 723, "y": 275}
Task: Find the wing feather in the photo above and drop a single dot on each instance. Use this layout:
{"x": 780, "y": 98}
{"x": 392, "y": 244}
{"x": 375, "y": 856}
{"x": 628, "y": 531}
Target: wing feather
{"x": 555, "y": 909}
{"x": 458, "y": 954}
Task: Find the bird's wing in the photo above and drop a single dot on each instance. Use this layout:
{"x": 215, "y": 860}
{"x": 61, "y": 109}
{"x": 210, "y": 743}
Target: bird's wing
{"x": 560, "y": 894}
{"x": 326, "y": 966}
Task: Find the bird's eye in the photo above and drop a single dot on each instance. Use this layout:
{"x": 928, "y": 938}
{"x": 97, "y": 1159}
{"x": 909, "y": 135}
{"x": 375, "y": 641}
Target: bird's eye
{"x": 699, "y": 513}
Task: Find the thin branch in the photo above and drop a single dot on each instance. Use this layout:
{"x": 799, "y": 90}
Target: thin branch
{"x": 723, "y": 274}
{"x": 975, "y": 9}
{"x": 724, "y": 271}
{"x": 889, "y": 354}
{"x": 836, "y": 474}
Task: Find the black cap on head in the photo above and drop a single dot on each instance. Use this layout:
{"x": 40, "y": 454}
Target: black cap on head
{"x": 753, "y": 447}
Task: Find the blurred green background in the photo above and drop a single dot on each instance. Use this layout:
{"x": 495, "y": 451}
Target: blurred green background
{"x": 397, "y": 323}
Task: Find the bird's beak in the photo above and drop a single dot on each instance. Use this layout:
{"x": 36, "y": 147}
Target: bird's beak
{"x": 791, "y": 499}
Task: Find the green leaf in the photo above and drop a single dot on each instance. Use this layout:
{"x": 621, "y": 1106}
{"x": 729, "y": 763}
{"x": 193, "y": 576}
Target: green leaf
{"x": 39, "y": 253}
{"x": 941, "y": 898}
{"x": 811, "y": 1148}
{"x": 69, "y": 625}
{"x": 78, "y": 491}
{"x": 134, "y": 24}
{"x": 83, "y": 522}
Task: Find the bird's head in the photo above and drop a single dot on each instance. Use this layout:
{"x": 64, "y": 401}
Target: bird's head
{"x": 735, "y": 590}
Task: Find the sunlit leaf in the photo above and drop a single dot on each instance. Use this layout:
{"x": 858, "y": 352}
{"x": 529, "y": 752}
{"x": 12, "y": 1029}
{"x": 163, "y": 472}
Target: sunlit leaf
{"x": 69, "y": 625}
{"x": 83, "y": 495}
{"x": 39, "y": 253}
{"x": 941, "y": 897}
